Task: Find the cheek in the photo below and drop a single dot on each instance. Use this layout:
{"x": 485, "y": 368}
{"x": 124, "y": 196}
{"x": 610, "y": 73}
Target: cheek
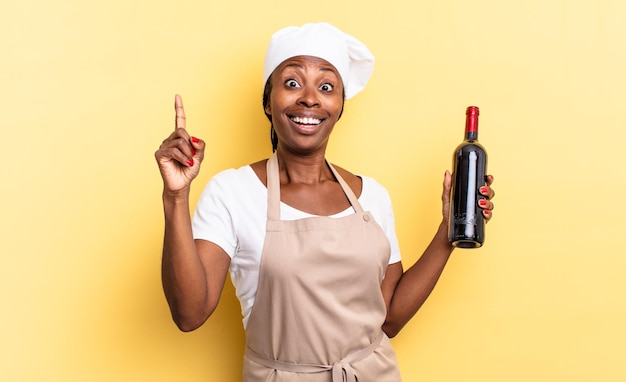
{"x": 277, "y": 101}
{"x": 339, "y": 108}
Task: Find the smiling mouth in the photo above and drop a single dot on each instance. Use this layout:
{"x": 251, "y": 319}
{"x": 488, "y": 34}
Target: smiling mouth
{"x": 306, "y": 120}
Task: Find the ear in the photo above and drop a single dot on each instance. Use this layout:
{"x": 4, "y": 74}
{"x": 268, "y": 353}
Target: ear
{"x": 268, "y": 109}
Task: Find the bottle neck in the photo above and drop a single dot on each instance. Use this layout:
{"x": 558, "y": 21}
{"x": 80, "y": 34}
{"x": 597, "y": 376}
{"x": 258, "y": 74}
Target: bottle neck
{"x": 471, "y": 136}
{"x": 471, "y": 123}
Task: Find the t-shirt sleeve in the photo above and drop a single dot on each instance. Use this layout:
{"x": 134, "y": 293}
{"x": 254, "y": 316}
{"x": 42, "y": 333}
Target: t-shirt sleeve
{"x": 380, "y": 203}
{"x": 389, "y": 226}
{"x": 212, "y": 219}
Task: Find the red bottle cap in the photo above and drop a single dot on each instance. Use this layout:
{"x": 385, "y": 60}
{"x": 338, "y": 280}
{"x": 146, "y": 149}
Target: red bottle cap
{"x": 471, "y": 122}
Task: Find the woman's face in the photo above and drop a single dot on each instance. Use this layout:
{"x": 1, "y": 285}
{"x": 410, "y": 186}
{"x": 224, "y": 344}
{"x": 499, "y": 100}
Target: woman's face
{"x": 305, "y": 102}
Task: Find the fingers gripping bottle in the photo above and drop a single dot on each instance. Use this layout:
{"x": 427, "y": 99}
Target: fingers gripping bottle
{"x": 467, "y": 224}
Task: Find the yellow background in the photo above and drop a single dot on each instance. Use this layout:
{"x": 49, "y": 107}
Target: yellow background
{"x": 86, "y": 97}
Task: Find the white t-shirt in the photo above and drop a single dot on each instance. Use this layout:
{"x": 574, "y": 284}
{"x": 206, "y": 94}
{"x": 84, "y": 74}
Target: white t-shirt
{"x": 232, "y": 213}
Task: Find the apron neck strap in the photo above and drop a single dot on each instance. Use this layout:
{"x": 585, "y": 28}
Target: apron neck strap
{"x": 273, "y": 189}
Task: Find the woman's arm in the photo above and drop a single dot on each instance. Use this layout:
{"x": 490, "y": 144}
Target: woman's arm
{"x": 406, "y": 292}
{"x": 193, "y": 272}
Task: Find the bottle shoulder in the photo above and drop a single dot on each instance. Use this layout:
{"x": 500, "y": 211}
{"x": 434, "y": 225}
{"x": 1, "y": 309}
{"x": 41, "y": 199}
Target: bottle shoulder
{"x": 470, "y": 146}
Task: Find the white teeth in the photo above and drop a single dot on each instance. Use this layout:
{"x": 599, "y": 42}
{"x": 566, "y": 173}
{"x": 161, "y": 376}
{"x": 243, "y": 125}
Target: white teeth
{"x": 307, "y": 121}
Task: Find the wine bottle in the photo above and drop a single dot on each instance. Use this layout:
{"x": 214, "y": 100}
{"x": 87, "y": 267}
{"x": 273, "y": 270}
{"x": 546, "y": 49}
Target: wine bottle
{"x": 467, "y": 224}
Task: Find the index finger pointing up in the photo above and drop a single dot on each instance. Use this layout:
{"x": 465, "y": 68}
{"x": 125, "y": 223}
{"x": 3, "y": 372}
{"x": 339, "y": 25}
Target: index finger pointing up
{"x": 180, "y": 112}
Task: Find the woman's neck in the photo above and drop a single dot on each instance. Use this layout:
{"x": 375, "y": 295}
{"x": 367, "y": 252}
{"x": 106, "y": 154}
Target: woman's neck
{"x": 301, "y": 169}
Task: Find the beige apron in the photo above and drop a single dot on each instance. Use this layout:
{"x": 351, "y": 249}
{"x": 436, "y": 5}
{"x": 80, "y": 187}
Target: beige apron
{"x": 319, "y": 309}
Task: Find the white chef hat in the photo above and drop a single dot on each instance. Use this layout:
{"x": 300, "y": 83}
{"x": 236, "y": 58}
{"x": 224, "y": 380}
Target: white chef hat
{"x": 349, "y": 56}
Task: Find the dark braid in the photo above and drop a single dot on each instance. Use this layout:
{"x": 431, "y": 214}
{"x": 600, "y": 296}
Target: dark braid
{"x": 266, "y": 99}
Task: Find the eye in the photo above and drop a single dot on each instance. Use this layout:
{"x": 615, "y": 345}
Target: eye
{"x": 292, "y": 84}
{"x": 326, "y": 87}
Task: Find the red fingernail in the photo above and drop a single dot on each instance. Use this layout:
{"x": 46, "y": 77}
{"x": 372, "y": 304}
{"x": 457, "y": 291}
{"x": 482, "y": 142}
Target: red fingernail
{"x": 482, "y": 202}
{"x": 190, "y": 162}
{"x": 486, "y": 212}
{"x": 193, "y": 152}
{"x": 195, "y": 140}
{"x": 483, "y": 190}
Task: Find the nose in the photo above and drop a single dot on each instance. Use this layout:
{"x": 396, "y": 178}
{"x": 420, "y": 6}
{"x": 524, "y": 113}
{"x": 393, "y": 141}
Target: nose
{"x": 309, "y": 97}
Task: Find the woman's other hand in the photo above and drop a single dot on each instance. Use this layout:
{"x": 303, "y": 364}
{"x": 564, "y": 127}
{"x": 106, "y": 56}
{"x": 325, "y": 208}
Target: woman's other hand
{"x": 484, "y": 203}
{"x": 488, "y": 193}
{"x": 180, "y": 155}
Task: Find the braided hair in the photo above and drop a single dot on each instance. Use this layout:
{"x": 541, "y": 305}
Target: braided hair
{"x": 266, "y": 99}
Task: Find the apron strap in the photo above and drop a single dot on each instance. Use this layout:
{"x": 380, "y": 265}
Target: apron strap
{"x": 273, "y": 189}
{"x": 347, "y": 190}
{"x": 342, "y": 370}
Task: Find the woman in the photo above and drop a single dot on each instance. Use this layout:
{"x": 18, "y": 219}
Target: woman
{"x": 311, "y": 247}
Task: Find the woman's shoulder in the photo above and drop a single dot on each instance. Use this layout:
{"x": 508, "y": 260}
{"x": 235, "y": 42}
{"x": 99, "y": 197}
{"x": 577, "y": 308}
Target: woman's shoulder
{"x": 260, "y": 170}
{"x": 354, "y": 182}
{"x": 233, "y": 187}
{"x": 232, "y": 177}
{"x": 370, "y": 189}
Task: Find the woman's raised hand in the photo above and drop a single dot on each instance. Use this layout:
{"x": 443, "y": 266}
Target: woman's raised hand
{"x": 180, "y": 155}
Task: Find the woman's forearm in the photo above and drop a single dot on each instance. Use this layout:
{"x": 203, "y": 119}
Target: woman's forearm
{"x": 417, "y": 282}
{"x": 183, "y": 276}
